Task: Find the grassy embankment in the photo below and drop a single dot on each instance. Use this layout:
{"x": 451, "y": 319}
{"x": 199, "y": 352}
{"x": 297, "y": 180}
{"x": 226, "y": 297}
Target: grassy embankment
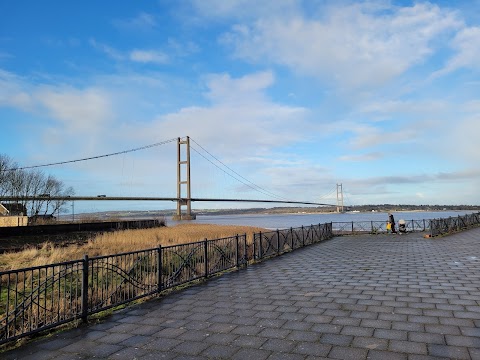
{"x": 121, "y": 241}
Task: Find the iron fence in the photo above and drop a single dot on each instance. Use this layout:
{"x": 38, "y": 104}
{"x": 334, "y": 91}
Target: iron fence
{"x": 277, "y": 242}
{"x": 376, "y": 227}
{"x": 39, "y": 298}
{"x": 452, "y": 224}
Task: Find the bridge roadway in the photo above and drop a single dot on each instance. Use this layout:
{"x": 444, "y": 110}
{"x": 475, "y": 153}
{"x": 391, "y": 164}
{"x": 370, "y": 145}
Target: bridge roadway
{"x": 356, "y": 297}
{"x": 150, "y": 198}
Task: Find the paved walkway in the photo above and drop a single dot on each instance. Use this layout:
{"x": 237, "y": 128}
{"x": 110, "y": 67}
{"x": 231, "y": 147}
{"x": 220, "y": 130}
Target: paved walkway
{"x": 363, "y": 297}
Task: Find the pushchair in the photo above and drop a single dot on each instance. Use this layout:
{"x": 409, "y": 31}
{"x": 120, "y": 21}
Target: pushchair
{"x": 402, "y": 228}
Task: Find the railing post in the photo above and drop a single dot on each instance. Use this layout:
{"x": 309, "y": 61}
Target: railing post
{"x": 291, "y": 236}
{"x": 303, "y": 237}
{"x": 371, "y": 227}
{"x": 205, "y": 255}
{"x": 84, "y": 302}
{"x": 159, "y": 269}
{"x": 352, "y": 227}
{"x": 245, "y": 250}
{"x": 278, "y": 242}
{"x": 260, "y": 252}
{"x": 237, "y": 252}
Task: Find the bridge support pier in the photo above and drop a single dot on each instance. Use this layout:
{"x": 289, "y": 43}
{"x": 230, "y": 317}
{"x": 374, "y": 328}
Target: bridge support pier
{"x": 188, "y": 215}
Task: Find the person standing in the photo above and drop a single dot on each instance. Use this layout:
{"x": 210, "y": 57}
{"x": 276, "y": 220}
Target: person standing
{"x": 391, "y": 220}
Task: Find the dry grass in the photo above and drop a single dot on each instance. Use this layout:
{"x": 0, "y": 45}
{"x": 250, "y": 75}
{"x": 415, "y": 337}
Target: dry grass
{"x": 121, "y": 241}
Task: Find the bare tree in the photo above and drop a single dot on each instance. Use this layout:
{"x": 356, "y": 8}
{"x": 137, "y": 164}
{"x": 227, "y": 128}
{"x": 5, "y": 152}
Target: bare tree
{"x": 20, "y": 184}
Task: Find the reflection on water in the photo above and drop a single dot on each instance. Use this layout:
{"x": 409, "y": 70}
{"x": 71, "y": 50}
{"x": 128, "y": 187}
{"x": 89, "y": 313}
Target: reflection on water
{"x": 283, "y": 221}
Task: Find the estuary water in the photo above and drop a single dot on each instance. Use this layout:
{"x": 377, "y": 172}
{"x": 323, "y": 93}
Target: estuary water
{"x": 284, "y": 221}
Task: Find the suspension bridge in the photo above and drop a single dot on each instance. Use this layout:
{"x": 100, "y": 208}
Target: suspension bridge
{"x": 184, "y": 197}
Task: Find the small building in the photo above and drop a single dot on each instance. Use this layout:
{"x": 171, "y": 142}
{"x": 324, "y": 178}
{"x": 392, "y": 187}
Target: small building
{"x": 15, "y": 209}
{"x": 13, "y": 214}
{"x": 3, "y": 210}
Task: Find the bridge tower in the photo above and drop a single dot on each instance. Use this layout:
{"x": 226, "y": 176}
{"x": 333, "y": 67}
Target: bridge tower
{"x": 183, "y": 201}
{"x": 340, "y": 198}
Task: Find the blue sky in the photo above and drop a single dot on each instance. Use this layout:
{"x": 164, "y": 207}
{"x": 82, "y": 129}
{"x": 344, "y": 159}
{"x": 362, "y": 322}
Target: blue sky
{"x": 296, "y": 96}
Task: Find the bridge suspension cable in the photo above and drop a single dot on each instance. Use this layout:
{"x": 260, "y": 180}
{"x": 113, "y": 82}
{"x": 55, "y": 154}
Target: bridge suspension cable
{"x": 237, "y": 176}
{"x": 332, "y": 191}
{"x": 94, "y": 157}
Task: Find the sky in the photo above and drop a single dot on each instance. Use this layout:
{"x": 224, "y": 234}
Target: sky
{"x": 296, "y": 96}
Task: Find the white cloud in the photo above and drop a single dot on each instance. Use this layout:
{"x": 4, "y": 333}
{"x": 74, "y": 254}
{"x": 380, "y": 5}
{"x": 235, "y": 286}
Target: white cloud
{"x": 149, "y": 56}
{"x": 250, "y": 88}
{"x": 356, "y": 45}
{"x": 78, "y": 110}
{"x": 241, "y": 123}
{"x": 467, "y": 46}
{"x": 143, "y": 21}
{"x": 14, "y": 91}
{"x": 243, "y": 9}
{"x": 361, "y": 157}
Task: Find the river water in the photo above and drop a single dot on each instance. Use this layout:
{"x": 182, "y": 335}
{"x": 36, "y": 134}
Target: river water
{"x": 284, "y": 221}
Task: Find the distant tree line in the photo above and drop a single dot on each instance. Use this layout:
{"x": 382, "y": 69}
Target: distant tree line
{"x": 23, "y": 183}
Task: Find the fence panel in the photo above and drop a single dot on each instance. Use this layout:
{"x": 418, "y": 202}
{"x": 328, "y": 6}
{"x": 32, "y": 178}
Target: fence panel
{"x": 280, "y": 241}
{"x": 266, "y": 244}
{"x": 38, "y": 298}
{"x": 183, "y": 263}
{"x": 117, "y": 279}
{"x": 223, "y": 254}
{"x": 451, "y": 224}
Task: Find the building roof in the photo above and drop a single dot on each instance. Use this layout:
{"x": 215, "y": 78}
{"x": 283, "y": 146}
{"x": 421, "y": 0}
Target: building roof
{"x": 3, "y": 210}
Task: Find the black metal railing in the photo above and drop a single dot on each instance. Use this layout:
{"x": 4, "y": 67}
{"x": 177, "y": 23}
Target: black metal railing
{"x": 453, "y": 224}
{"x": 267, "y": 244}
{"x": 376, "y": 227}
{"x": 39, "y": 298}
{"x": 42, "y": 297}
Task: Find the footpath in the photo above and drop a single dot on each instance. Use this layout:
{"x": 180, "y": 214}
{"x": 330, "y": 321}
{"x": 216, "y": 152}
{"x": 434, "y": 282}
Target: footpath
{"x": 352, "y": 297}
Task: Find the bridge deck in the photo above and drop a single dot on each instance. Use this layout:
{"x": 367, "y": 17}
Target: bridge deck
{"x": 375, "y": 297}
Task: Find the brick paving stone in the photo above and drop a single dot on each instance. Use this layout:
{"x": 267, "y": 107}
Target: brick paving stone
{"x": 161, "y": 344}
{"x": 443, "y": 329}
{"x": 114, "y": 338}
{"x": 249, "y": 341}
{"x": 298, "y": 335}
{"x": 285, "y": 356}
{"x": 279, "y": 345}
{"x": 390, "y": 334}
{"x": 313, "y": 349}
{"x": 377, "y": 324}
{"x": 427, "y": 338}
{"x": 364, "y": 315}
{"x": 346, "y": 353}
{"x": 452, "y": 352}
{"x": 407, "y": 347}
{"x": 223, "y": 339}
{"x": 370, "y": 343}
{"x": 274, "y": 333}
{"x": 170, "y": 332}
{"x": 219, "y": 352}
{"x": 326, "y": 328}
{"x": 467, "y": 331}
{"x": 474, "y": 353}
{"x": 357, "y": 331}
{"x": 383, "y": 355}
{"x": 250, "y": 353}
{"x": 336, "y": 339}
{"x": 128, "y": 353}
{"x": 467, "y": 341}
